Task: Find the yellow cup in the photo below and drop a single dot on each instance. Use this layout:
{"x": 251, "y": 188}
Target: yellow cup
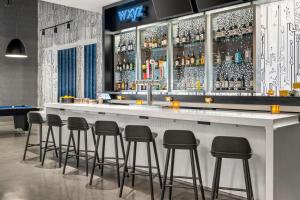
{"x": 275, "y": 109}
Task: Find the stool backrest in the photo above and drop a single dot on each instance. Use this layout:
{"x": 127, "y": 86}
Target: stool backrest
{"x": 106, "y": 128}
{"x": 138, "y": 133}
{"x": 77, "y": 124}
{"x": 54, "y": 120}
{"x": 35, "y": 118}
{"x": 179, "y": 138}
{"x": 231, "y": 145}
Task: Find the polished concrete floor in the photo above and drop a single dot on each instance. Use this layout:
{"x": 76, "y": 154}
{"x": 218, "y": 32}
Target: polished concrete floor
{"x": 30, "y": 181}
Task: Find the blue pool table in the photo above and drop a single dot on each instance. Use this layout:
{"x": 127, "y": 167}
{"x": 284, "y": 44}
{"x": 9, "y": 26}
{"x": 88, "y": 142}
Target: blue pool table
{"x": 19, "y": 113}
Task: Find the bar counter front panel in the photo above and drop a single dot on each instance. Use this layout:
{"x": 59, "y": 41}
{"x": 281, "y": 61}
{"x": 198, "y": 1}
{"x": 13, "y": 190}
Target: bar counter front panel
{"x": 264, "y": 131}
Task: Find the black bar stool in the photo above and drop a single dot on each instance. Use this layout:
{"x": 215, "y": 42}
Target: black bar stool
{"x": 106, "y": 129}
{"x": 181, "y": 140}
{"x": 232, "y": 148}
{"x": 54, "y": 121}
{"x": 35, "y": 118}
{"x": 79, "y": 124}
{"x": 140, "y": 134}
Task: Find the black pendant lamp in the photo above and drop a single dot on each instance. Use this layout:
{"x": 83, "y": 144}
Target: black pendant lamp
{"x": 16, "y": 48}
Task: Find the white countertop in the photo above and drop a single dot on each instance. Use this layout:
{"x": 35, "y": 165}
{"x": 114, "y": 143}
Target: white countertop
{"x": 250, "y": 118}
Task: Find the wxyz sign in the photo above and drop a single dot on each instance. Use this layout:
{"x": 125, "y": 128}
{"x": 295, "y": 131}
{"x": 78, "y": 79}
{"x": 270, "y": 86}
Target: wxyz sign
{"x": 131, "y": 14}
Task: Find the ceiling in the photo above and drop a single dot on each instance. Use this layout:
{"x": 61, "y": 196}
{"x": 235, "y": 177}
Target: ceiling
{"x": 91, "y": 5}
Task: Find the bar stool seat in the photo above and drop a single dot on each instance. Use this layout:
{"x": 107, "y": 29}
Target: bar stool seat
{"x": 181, "y": 140}
{"x": 231, "y": 148}
{"x": 140, "y": 134}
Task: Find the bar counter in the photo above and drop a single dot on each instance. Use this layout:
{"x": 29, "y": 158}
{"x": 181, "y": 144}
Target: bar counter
{"x": 274, "y": 139}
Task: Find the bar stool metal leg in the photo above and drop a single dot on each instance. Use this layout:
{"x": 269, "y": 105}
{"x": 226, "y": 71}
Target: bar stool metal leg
{"x": 165, "y": 175}
{"x": 68, "y": 149}
{"x": 86, "y": 154}
{"x": 171, "y": 174}
{"x": 94, "y": 159}
{"x": 117, "y": 160}
{"x": 194, "y": 175}
{"x": 103, "y": 154}
{"x": 60, "y": 147}
{"x": 247, "y": 180}
{"x": 94, "y": 139}
{"x": 54, "y": 143}
{"x": 125, "y": 168}
{"x": 157, "y": 164}
{"x": 78, "y": 148}
{"x": 133, "y": 163}
{"x": 150, "y": 171}
{"x": 199, "y": 173}
{"x": 27, "y": 141}
{"x": 41, "y": 141}
{"x": 218, "y": 177}
{"x": 46, "y": 145}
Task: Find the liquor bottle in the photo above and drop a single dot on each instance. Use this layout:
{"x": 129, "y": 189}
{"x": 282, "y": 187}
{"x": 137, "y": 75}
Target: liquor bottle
{"x": 231, "y": 83}
{"x": 218, "y": 35}
{"x": 238, "y": 85}
{"x": 231, "y": 32}
{"x": 250, "y": 28}
{"x": 251, "y": 83}
{"x": 202, "y": 35}
{"x": 193, "y": 59}
{"x": 132, "y": 66}
{"x": 236, "y": 31}
{"x": 183, "y": 38}
{"x": 238, "y": 57}
{"x": 117, "y": 66}
{"x": 218, "y": 84}
{"x": 226, "y": 83}
{"x": 127, "y": 66}
{"x": 228, "y": 58}
{"x": 248, "y": 57}
{"x": 177, "y": 39}
{"x": 218, "y": 58}
{"x": 202, "y": 59}
{"x": 243, "y": 83}
{"x": 223, "y": 34}
{"x": 165, "y": 40}
{"x": 197, "y": 35}
{"x": 118, "y": 49}
{"x": 128, "y": 46}
{"x": 124, "y": 65}
{"x": 183, "y": 59}
{"x": 187, "y": 60}
{"x": 123, "y": 48}
{"x": 198, "y": 60}
{"x": 146, "y": 43}
{"x": 188, "y": 37}
{"x": 177, "y": 61}
{"x": 161, "y": 67}
{"x": 244, "y": 29}
{"x": 123, "y": 85}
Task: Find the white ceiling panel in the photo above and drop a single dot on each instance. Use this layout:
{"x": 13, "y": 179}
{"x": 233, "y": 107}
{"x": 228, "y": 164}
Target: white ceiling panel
{"x": 91, "y": 5}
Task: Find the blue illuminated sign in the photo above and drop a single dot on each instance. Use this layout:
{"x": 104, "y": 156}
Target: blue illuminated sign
{"x": 131, "y": 14}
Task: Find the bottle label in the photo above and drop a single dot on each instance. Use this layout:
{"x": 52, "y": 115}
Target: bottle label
{"x": 231, "y": 84}
{"x": 218, "y": 84}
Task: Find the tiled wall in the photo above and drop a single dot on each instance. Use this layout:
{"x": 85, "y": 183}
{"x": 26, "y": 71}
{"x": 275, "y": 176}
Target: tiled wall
{"x": 85, "y": 29}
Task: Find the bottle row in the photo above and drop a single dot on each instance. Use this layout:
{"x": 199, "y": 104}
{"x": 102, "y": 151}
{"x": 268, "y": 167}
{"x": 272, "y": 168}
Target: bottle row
{"x": 156, "y": 41}
{"x": 125, "y": 85}
{"x": 238, "y": 58}
{"x": 125, "y": 66}
{"x": 187, "y": 36}
{"x": 124, "y": 46}
{"x": 188, "y": 60}
{"x": 233, "y": 31}
{"x": 239, "y": 83}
